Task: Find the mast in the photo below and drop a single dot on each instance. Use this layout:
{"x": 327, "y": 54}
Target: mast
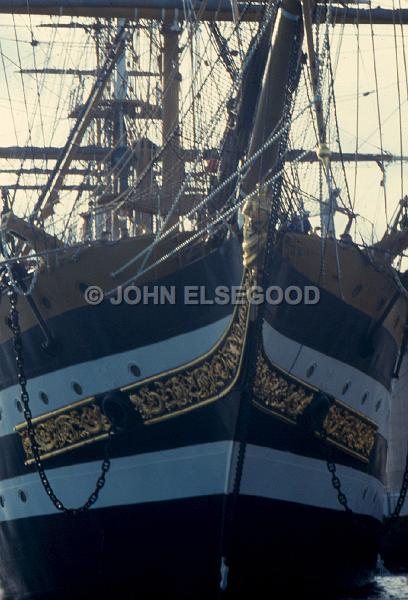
{"x": 211, "y": 10}
{"x": 96, "y": 218}
{"x": 172, "y": 166}
{"x": 327, "y": 209}
{"x": 271, "y": 105}
{"x": 120, "y": 95}
{"x": 121, "y": 164}
{"x": 144, "y": 156}
{"x": 97, "y": 154}
{"x": 314, "y": 72}
{"x": 240, "y": 119}
{"x": 81, "y": 72}
{"x": 274, "y": 101}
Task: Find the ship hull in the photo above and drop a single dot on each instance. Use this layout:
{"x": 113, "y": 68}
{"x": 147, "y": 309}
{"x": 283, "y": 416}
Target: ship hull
{"x": 163, "y": 519}
{"x": 172, "y": 547}
{"x": 175, "y": 500}
{"x": 394, "y": 545}
{"x": 178, "y": 556}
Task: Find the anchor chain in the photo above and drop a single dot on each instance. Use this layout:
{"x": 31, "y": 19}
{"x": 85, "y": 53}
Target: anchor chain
{"x": 342, "y": 498}
{"x": 18, "y": 351}
{"x": 332, "y": 468}
{"x": 401, "y": 498}
{"x": 336, "y": 483}
{"x": 312, "y": 422}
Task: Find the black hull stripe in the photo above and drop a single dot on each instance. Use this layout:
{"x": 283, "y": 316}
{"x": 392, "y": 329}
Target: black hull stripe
{"x": 394, "y": 547}
{"x": 91, "y": 332}
{"x": 331, "y": 327}
{"x": 213, "y": 423}
{"x": 172, "y": 550}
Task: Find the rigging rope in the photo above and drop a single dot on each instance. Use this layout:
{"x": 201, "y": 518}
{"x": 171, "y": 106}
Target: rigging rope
{"x": 357, "y": 115}
{"x": 209, "y": 129}
{"x": 219, "y": 219}
{"x": 275, "y": 135}
{"x": 378, "y": 113}
{"x": 399, "y": 101}
{"x": 215, "y": 120}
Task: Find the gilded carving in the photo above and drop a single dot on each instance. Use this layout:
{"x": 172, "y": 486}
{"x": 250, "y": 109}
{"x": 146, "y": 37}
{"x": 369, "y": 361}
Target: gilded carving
{"x": 288, "y": 399}
{"x": 256, "y": 218}
{"x": 350, "y": 430}
{"x": 200, "y": 383}
{"x": 283, "y": 396}
{"x": 66, "y": 429}
{"x": 197, "y": 384}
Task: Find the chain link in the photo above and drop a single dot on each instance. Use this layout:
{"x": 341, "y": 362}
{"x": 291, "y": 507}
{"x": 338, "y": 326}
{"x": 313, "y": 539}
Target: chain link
{"x": 331, "y": 467}
{"x": 336, "y": 483}
{"x": 402, "y": 495}
{"x": 342, "y": 498}
{"x": 22, "y": 380}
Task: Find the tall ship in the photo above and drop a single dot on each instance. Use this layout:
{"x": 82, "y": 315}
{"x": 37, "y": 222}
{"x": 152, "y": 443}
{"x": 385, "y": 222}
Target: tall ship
{"x": 202, "y": 322}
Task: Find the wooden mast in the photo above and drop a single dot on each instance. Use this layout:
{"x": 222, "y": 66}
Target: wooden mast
{"x": 212, "y": 10}
{"x": 272, "y": 99}
{"x": 285, "y": 48}
{"x": 120, "y": 183}
{"x": 97, "y": 154}
{"x": 323, "y": 152}
{"x": 172, "y": 165}
{"x": 314, "y": 73}
{"x": 219, "y": 10}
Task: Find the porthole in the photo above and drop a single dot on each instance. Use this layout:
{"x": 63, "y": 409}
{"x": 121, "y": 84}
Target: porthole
{"x": 380, "y": 304}
{"x": 77, "y": 387}
{"x": 364, "y": 398}
{"x": 134, "y": 369}
{"x": 346, "y": 388}
{"x": 22, "y": 495}
{"x": 19, "y": 405}
{"x": 356, "y": 291}
{"x": 364, "y": 493}
{"x": 2, "y": 502}
{"x": 377, "y": 406}
{"x": 311, "y": 369}
{"x": 46, "y": 302}
{"x": 374, "y": 497}
{"x": 44, "y": 397}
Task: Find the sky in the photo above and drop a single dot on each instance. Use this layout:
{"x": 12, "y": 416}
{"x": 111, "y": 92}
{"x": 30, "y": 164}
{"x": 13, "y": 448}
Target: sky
{"x": 391, "y": 55}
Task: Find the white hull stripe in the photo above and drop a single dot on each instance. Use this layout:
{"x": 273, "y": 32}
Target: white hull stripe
{"x": 398, "y": 440}
{"x": 109, "y": 372}
{"x": 270, "y": 473}
{"x": 347, "y": 384}
{"x": 194, "y": 471}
